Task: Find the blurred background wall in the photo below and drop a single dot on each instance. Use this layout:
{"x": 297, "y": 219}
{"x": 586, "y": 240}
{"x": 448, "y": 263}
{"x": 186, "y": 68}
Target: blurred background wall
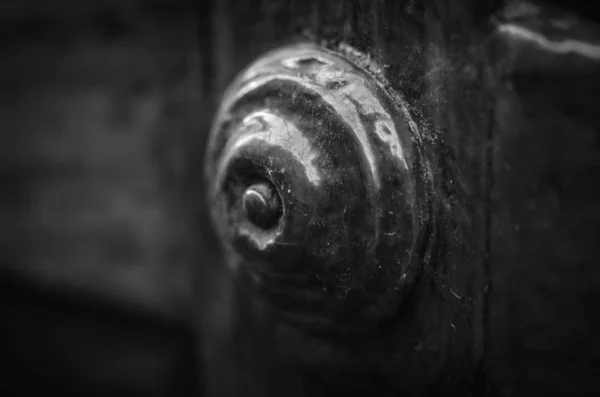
{"x": 100, "y": 103}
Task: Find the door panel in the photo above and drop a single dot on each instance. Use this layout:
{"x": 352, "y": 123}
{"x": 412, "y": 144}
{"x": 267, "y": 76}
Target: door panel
{"x": 503, "y": 304}
{"x": 115, "y": 279}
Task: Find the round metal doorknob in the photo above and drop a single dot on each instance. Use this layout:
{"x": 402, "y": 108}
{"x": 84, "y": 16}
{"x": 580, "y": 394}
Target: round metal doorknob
{"x": 313, "y": 189}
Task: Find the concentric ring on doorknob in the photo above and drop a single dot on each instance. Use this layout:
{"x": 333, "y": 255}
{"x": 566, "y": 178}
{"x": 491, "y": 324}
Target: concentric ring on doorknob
{"x": 312, "y": 189}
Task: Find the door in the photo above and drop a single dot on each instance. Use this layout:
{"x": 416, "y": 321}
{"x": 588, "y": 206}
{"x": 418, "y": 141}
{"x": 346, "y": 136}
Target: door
{"x": 487, "y": 284}
{"x": 300, "y": 198}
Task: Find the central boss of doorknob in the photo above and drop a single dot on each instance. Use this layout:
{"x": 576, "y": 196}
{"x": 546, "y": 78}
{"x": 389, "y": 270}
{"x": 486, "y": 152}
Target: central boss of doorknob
{"x": 313, "y": 190}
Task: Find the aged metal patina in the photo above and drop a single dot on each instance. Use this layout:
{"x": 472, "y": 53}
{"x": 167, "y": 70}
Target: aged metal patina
{"x": 314, "y": 189}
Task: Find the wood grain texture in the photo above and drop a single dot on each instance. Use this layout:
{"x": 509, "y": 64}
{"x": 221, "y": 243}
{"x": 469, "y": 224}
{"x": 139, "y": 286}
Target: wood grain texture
{"x": 436, "y": 343}
{"x": 544, "y": 245}
{"x": 505, "y": 306}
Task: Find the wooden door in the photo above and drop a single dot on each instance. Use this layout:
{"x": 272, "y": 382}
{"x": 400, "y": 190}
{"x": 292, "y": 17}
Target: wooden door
{"x": 503, "y": 98}
{"x": 114, "y": 281}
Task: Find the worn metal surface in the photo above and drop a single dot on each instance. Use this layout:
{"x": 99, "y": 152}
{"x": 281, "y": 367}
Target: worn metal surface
{"x": 338, "y": 151}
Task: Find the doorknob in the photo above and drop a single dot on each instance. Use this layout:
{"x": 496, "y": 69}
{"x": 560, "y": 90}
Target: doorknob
{"x": 319, "y": 190}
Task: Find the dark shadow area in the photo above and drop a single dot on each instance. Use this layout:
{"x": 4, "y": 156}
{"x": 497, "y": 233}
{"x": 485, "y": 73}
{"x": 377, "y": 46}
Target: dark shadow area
{"x": 97, "y": 104}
